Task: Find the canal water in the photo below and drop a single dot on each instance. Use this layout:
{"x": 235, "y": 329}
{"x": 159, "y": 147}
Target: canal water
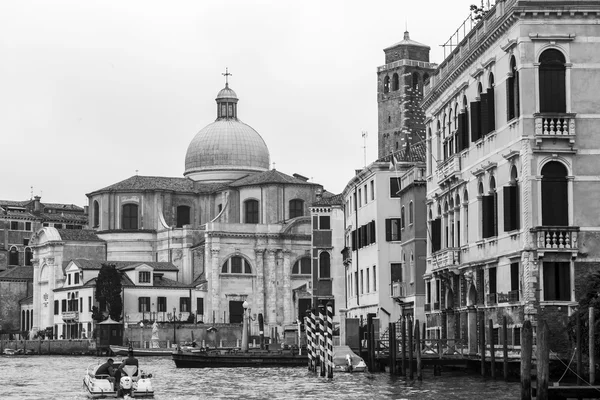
{"x": 60, "y": 377}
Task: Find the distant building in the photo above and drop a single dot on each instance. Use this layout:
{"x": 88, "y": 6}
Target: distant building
{"x": 16, "y": 285}
{"x": 512, "y": 170}
{"x": 328, "y": 282}
{"x": 20, "y": 219}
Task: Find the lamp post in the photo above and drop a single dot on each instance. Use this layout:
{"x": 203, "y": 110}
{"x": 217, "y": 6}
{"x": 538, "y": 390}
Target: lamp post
{"x": 245, "y": 328}
{"x": 129, "y": 326}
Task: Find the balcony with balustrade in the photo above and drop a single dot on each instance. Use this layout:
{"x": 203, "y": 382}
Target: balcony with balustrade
{"x": 449, "y": 170}
{"x": 445, "y": 258}
{"x": 555, "y": 127}
{"x": 556, "y": 239}
{"x": 399, "y": 290}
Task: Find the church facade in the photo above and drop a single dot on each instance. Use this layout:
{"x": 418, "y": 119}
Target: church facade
{"x": 231, "y": 225}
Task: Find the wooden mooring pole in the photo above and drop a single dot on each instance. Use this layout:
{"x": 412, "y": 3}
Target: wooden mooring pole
{"x": 403, "y": 365}
{"x": 505, "y": 348}
{"x": 418, "y": 345}
{"x": 579, "y": 365}
{"x": 492, "y": 350}
{"x": 543, "y": 361}
{"x": 482, "y": 341}
{"x": 526, "y": 349}
{"x": 392, "y": 346}
{"x": 592, "y": 333}
{"x": 411, "y": 373}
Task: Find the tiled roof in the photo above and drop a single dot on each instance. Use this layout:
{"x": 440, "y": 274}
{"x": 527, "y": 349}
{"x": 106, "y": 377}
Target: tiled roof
{"x": 64, "y": 217}
{"x": 139, "y": 183}
{"x": 335, "y": 200}
{"x": 121, "y": 265}
{"x": 17, "y": 273}
{"x": 200, "y": 279}
{"x": 271, "y": 176}
{"x": 13, "y": 203}
{"x": 79, "y": 235}
{"x": 411, "y": 153}
{"x": 161, "y": 281}
{"x": 26, "y": 300}
{"x": 60, "y": 206}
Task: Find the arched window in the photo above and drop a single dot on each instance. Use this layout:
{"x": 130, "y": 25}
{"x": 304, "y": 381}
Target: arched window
{"x": 96, "y": 214}
{"x": 324, "y": 265}
{"x": 511, "y": 202}
{"x": 13, "y": 256}
{"x": 555, "y": 203}
{"x": 416, "y": 85}
{"x": 425, "y": 79}
{"x": 395, "y": 82}
{"x": 251, "y": 211}
{"x": 302, "y": 267}
{"x": 512, "y": 90}
{"x": 296, "y": 208}
{"x": 491, "y": 107}
{"x": 410, "y": 213}
{"x": 552, "y": 82}
{"x": 386, "y": 84}
{"x": 183, "y": 216}
{"x": 130, "y": 216}
{"x": 236, "y": 265}
{"x": 402, "y": 220}
{"x": 28, "y": 256}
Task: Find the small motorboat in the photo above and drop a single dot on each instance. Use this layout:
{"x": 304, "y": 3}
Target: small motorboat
{"x": 101, "y": 386}
{"x": 345, "y": 360}
{"x": 16, "y": 352}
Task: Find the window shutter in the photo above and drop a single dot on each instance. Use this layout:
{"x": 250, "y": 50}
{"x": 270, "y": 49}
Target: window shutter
{"x": 140, "y": 300}
{"x": 550, "y": 281}
{"x": 388, "y": 230}
{"x": 510, "y": 99}
{"x": 507, "y": 193}
{"x": 495, "y": 224}
{"x": 373, "y": 232}
{"x": 484, "y": 127}
{"x": 436, "y": 234}
{"x": 475, "y": 114}
{"x": 459, "y": 134}
{"x": 353, "y": 240}
{"x": 487, "y": 204}
{"x": 516, "y": 100}
{"x": 515, "y": 207}
{"x": 564, "y": 280}
{"x": 491, "y": 110}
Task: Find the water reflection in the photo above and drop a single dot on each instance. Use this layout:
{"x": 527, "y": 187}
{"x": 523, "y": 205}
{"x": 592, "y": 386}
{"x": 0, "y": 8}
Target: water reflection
{"x": 46, "y": 377}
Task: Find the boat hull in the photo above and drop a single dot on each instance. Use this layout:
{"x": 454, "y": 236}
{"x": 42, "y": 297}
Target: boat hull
{"x": 217, "y": 359}
{"x": 122, "y": 351}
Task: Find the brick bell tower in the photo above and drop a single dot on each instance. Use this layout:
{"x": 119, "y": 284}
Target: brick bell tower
{"x": 399, "y": 93}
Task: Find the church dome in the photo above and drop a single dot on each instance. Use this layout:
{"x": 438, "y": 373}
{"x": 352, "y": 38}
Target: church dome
{"x": 227, "y": 149}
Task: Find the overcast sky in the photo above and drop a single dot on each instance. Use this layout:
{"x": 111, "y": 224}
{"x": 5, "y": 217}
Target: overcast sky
{"x": 91, "y": 91}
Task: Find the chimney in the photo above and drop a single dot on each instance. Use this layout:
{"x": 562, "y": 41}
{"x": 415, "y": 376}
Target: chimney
{"x": 37, "y": 206}
{"x": 302, "y": 178}
{"x": 86, "y": 210}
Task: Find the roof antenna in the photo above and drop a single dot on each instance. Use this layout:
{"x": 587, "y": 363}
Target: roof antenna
{"x": 31, "y": 194}
{"x": 364, "y": 135}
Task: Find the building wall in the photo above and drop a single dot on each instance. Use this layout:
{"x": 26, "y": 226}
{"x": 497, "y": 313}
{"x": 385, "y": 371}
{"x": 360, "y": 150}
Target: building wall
{"x": 11, "y": 293}
{"x": 518, "y": 144}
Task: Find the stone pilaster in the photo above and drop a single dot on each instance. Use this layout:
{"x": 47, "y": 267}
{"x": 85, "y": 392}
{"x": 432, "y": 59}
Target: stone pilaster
{"x": 259, "y": 296}
{"x": 271, "y": 278}
{"x": 529, "y": 269}
{"x": 36, "y": 293}
{"x": 287, "y": 288}
{"x": 215, "y": 284}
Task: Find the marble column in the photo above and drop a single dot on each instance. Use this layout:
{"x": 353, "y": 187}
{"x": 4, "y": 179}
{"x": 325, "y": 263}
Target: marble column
{"x": 529, "y": 269}
{"x": 36, "y": 294}
{"x": 259, "y": 295}
{"x": 288, "y": 313}
{"x": 215, "y": 284}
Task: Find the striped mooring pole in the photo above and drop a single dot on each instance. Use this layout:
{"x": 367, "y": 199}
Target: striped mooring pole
{"x": 308, "y": 325}
{"x": 329, "y": 340}
{"x": 315, "y": 339}
{"x": 322, "y": 333}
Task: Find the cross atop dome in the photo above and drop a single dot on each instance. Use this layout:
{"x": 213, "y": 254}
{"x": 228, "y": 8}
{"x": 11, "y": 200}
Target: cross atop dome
{"x": 227, "y": 75}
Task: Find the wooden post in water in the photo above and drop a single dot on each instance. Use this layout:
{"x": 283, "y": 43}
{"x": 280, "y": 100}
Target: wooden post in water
{"x": 403, "y": 365}
{"x": 592, "y": 333}
{"x": 392, "y": 347}
{"x": 492, "y": 349}
{"x": 505, "y": 347}
{"x": 411, "y": 373}
{"x": 482, "y": 341}
{"x": 543, "y": 361}
{"x": 526, "y": 349}
{"x": 418, "y": 346}
{"x": 579, "y": 366}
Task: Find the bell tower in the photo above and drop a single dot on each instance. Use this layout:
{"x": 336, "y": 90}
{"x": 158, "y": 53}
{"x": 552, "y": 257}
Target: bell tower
{"x": 399, "y": 93}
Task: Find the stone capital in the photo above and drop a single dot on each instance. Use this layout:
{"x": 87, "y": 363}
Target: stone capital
{"x": 49, "y": 260}
{"x": 215, "y": 251}
{"x": 259, "y": 251}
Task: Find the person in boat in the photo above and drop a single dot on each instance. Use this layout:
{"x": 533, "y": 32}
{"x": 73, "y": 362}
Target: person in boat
{"x": 107, "y": 370}
{"x": 130, "y": 360}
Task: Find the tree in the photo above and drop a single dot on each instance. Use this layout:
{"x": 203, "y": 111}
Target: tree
{"x": 108, "y": 290}
{"x": 590, "y": 297}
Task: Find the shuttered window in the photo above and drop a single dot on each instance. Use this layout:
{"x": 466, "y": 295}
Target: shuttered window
{"x": 511, "y": 208}
{"x": 392, "y": 229}
{"x": 436, "y": 234}
{"x": 489, "y": 215}
{"x": 552, "y": 82}
{"x": 491, "y": 114}
{"x": 555, "y": 203}
{"x": 475, "y": 121}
